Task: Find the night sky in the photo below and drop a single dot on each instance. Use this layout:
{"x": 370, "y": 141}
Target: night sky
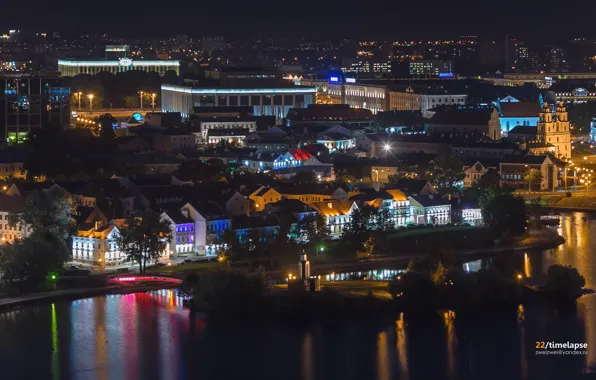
{"x": 350, "y": 18}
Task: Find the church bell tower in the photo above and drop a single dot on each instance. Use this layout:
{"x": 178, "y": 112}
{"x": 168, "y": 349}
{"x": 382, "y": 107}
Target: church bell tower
{"x": 557, "y": 131}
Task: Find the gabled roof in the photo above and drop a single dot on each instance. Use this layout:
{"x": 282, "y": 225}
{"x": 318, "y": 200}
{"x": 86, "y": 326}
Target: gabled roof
{"x": 300, "y": 154}
{"x": 527, "y": 159}
{"x": 520, "y": 109}
{"x": 242, "y": 222}
{"x": 13, "y": 204}
{"x": 210, "y": 210}
{"x": 468, "y": 116}
{"x": 177, "y": 217}
{"x": 523, "y": 130}
{"x": 333, "y": 207}
{"x": 459, "y": 204}
{"x": 427, "y": 201}
{"x": 262, "y": 191}
{"x": 410, "y": 185}
{"x": 290, "y": 205}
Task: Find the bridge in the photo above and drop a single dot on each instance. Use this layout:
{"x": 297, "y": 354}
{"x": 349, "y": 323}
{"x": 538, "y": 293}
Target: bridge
{"x": 141, "y": 279}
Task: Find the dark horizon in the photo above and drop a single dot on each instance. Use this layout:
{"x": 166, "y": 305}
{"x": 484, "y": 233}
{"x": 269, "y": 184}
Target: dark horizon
{"x": 532, "y": 20}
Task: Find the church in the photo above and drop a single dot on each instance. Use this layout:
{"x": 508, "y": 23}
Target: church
{"x": 552, "y": 131}
{"x": 512, "y": 113}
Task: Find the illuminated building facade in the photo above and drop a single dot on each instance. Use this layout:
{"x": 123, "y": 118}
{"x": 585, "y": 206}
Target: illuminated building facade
{"x": 555, "y": 130}
{"x": 356, "y": 95}
{"x": 431, "y": 68}
{"x": 28, "y": 101}
{"x": 409, "y": 100}
{"x": 268, "y": 101}
{"x": 73, "y": 67}
{"x": 578, "y": 95}
{"x": 367, "y": 67}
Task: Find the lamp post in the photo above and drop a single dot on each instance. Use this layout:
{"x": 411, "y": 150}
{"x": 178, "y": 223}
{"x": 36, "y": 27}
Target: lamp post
{"x": 529, "y": 179}
{"x": 90, "y": 96}
{"x": 141, "y": 98}
{"x": 153, "y": 101}
{"x": 79, "y": 94}
{"x": 387, "y": 148}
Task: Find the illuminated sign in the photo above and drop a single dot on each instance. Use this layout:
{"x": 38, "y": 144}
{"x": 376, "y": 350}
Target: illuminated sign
{"x": 333, "y": 79}
{"x": 446, "y": 75}
{"x": 125, "y": 62}
{"x": 350, "y": 80}
{"x": 138, "y": 117}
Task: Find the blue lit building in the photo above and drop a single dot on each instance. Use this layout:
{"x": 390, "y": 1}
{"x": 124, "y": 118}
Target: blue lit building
{"x": 514, "y": 113}
{"x": 593, "y": 129}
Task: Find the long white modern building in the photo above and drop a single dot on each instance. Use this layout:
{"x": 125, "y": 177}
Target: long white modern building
{"x": 268, "y": 101}
{"x": 71, "y": 67}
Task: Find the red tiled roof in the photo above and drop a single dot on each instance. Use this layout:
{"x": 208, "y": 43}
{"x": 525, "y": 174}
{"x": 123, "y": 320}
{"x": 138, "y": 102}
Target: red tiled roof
{"x": 300, "y": 154}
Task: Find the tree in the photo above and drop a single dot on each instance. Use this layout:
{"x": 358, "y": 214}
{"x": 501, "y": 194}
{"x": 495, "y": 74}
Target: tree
{"x": 47, "y": 211}
{"x": 564, "y": 281}
{"x": 144, "y": 237}
{"x": 505, "y": 213}
{"x": 358, "y": 231}
{"x": 33, "y": 258}
{"x": 131, "y": 102}
{"x": 533, "y": 177}
{"x": 383, "y": 220}
{"x": 491, "y": 178}
{"x": 106, "y": 129}
{"x": 314, "y": 228}
{"x": 446, "y": 173}
{"x": 304, "y": 178}
{"x": 47, "y": 217}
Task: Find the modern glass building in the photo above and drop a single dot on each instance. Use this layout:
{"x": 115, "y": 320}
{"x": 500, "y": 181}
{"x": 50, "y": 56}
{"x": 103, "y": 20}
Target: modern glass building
{"x": 72, "y": 67}
{"x": 29, "y": 101}
{"x": 274, "y": 100}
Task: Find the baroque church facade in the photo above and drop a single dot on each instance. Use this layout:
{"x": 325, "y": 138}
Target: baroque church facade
{"x": 554, "y": 129}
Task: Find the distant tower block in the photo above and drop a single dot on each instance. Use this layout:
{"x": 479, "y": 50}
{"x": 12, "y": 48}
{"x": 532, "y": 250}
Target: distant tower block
{"x": 304, "y": 267}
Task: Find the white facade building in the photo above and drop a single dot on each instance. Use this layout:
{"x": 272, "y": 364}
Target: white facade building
{"x": 426, "y": 210}
{"x": 73, "y": 67}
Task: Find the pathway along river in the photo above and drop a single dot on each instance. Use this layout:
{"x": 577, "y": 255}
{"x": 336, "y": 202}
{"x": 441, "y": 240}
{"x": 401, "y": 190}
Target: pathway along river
{"x": 149, "y": 336}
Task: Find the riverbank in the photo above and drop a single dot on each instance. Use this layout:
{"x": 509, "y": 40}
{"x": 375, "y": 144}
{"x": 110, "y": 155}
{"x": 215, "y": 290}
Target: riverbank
{"x": 73, "y": 294}
{"x": 544, "y": 238}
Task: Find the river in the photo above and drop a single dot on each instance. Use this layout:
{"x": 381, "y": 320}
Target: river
{"x": 150, "y": 336}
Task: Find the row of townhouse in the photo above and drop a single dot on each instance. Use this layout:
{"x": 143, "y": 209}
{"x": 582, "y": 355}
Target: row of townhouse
{"x": 511, "y": 171}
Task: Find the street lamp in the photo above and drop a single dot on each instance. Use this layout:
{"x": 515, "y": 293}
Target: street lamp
{"x": 90, "y": 96}
{"x": 141, "y": 98}
{"x": 153, "y": 101}
{"x": 79, "y": 94}
{"x": 387, "y": 148}
{"x": 529, "y": 183}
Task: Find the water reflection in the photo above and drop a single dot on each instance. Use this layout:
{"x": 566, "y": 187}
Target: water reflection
{"x": 151, "y": 336}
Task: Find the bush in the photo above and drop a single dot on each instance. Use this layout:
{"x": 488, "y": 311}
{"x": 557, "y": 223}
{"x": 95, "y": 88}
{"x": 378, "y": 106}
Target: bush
{"x": 227, "y": 293}
{"x": 564, "y": 281}
{"x": 416, "y": 292}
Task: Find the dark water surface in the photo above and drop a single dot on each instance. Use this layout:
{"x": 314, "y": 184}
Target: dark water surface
{"x": 150, "y": 336}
